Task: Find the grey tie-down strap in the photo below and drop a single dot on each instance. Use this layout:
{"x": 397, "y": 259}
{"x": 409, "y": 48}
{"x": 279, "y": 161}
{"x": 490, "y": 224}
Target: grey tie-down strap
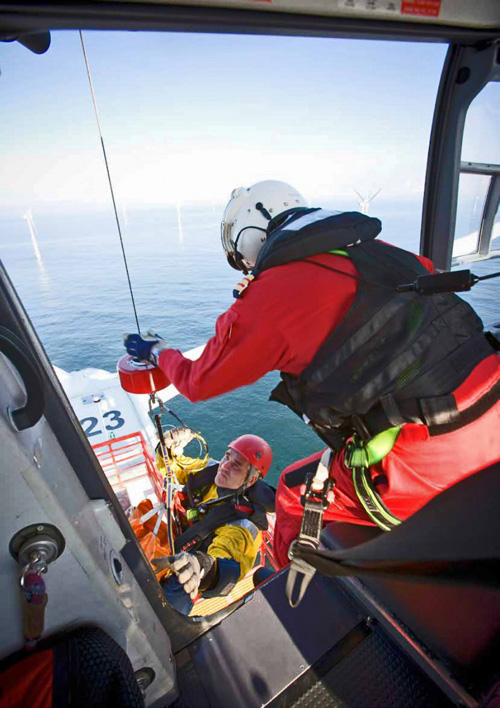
{"x": 454, "y": 538}
{"x": 316, "y": 495}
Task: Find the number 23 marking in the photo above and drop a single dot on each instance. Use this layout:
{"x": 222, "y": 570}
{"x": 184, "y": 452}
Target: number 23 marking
{"x": 88, "y": 424}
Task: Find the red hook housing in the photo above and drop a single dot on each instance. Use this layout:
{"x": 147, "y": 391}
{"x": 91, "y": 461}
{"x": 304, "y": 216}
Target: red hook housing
{"x": 140, "y": 376}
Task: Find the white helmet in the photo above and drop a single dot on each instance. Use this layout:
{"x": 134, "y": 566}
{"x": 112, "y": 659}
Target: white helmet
{"x": 247, "y": 215}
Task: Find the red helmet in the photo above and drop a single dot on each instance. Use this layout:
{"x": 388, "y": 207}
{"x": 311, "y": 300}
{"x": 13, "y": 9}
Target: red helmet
{"x": 255, "y": 450}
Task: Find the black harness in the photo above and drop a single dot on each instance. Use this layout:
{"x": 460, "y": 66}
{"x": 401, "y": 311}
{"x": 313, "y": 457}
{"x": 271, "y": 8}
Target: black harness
{"x": 252, "y": 504}
{"x": 397, "y": 356}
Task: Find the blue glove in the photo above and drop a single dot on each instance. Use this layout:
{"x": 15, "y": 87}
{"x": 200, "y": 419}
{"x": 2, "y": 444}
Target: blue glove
{"x": 140, "y": 346}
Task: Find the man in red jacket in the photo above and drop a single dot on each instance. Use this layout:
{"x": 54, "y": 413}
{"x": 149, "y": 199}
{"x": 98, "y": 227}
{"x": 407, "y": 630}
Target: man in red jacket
{"x": 410, "y": 378}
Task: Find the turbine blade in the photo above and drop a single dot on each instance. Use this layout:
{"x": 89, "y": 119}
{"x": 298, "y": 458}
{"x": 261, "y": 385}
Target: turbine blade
{"x": 374, "y": 195}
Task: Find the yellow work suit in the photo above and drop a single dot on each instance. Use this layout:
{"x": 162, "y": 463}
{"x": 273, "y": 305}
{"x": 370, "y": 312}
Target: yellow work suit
{"x": 238, "y": 540}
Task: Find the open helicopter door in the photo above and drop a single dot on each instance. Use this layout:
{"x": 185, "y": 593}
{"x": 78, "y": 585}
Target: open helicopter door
{"x": 63, "y": 524}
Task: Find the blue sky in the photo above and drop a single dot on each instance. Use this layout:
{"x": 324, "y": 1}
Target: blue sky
{"x": 187, "y": 117}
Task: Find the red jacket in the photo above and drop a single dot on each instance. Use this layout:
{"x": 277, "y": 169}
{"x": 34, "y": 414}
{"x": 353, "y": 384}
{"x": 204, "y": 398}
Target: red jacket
{"x": 280, "y": 322}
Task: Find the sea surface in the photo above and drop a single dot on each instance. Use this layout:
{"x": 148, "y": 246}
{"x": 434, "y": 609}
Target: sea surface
{"x": 76, "y": 294}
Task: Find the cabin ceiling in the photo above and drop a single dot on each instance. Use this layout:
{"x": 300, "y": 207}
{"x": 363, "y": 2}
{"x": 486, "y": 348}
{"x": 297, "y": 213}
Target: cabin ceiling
{"x": 415, "y": 20}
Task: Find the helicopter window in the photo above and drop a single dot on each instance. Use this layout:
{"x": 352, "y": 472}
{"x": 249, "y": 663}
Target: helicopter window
{"x": 186, "y": 118}
{"x": 481, "y": 142}
{"x": 477, "y": 228}
{"x": 495, "y": 242}
{"x": 473, "y": 189}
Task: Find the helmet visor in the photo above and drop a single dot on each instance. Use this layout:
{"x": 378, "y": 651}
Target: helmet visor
{"x": 229, "y": 247}
{"x": 225, "y": 233}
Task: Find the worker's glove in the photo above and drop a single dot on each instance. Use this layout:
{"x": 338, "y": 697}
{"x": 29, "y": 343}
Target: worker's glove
{"x": 176, "y": 439}
{"x": 145, "y": 347}
{"x": 194, "y": 571}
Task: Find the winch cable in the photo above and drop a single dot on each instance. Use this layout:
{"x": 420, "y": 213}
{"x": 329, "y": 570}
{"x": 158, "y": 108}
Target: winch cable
{"x": 171, "y": 460}
{"x": 109, "y": 179}
{"x": 167, "y": 487}
{"x": 166, "y": 503}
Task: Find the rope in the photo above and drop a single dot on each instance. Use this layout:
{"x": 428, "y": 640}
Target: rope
{"x": 181, "y": 462}
{"x": 109, "y": 179}
{"x": 193, "y": 464}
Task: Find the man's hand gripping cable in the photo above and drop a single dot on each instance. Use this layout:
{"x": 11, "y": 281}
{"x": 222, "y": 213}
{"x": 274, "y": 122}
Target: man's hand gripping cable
{"x": 316, "y": 495}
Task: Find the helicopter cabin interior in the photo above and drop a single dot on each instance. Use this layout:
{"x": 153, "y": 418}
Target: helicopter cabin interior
{"x": 353, "y": 641}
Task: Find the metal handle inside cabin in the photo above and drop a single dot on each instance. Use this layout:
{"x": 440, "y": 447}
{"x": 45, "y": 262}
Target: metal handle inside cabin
{"x": 29, "y": 414}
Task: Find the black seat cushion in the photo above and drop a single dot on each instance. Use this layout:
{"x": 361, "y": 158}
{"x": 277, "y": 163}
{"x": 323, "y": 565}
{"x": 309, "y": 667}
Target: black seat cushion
{"x": 459, "y": 624}
{"x": 338, "y": 535}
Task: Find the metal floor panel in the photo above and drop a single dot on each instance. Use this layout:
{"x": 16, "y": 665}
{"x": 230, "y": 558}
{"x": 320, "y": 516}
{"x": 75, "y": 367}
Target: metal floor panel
{"x": 324, "y": 654}
{"x": 375, "y": 675}
{"x": 254, "y": 654}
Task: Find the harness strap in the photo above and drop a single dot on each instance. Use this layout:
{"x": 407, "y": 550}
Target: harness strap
{"x": 469, "y": 414}
{"x": 317, "y": 494}
{"x": 193, "y": 537}
{"x": 298, "y": 476}
{"x": 468, "y": 553}
{"x": 359, "y": 457}
{"x": 371, "y": 501}
{"x": 198, "y": 480}
{"x": 219, "y": 512}
{"x": 381, "y": 445}
{"x": 437, "y": 412}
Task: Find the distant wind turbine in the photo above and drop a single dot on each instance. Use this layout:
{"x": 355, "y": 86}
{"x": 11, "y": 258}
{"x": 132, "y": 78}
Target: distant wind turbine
{"x": 44, "y": 278}
{"x": 363, "y": 203}
{"x": 34, "y": 233}
{"x": 179, "y": 222}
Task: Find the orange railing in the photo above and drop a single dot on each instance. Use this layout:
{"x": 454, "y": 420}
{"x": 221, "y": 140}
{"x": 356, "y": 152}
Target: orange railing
{"x": 122, "y": 459}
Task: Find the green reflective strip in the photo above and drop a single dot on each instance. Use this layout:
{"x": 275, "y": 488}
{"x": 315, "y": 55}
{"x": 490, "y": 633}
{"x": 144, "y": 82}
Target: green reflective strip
{"x": 372, "y": 516}
{"x": 379, "y": 506}
{"x": 381, "y": 445}
{"x": 339, "y": 252}
{"x": 359, "y": 457}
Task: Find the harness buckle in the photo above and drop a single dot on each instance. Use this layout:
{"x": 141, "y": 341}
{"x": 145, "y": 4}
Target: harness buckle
{"x": 356, "y": 455}
{"x": 192, "y": 515}
{"x": 310, "y": 495}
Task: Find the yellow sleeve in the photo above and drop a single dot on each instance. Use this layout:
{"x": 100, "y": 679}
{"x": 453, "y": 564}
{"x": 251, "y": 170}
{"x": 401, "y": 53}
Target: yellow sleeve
{"x": 240, "y": 541}
{"x": 182, "y": 475}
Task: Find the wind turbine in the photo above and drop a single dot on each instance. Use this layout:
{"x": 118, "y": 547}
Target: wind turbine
{"x": 33, "y": 233}
{"x": 363, "y": 203}
{"x": 179, "y": 221}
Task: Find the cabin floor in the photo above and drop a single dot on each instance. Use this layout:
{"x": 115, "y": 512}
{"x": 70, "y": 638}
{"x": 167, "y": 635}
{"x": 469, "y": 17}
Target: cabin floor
{"x": 327, "y": 652}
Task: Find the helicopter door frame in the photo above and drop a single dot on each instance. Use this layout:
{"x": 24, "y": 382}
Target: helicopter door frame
{"x": 467, "y": 70}
{"x": 59, "y": 414}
